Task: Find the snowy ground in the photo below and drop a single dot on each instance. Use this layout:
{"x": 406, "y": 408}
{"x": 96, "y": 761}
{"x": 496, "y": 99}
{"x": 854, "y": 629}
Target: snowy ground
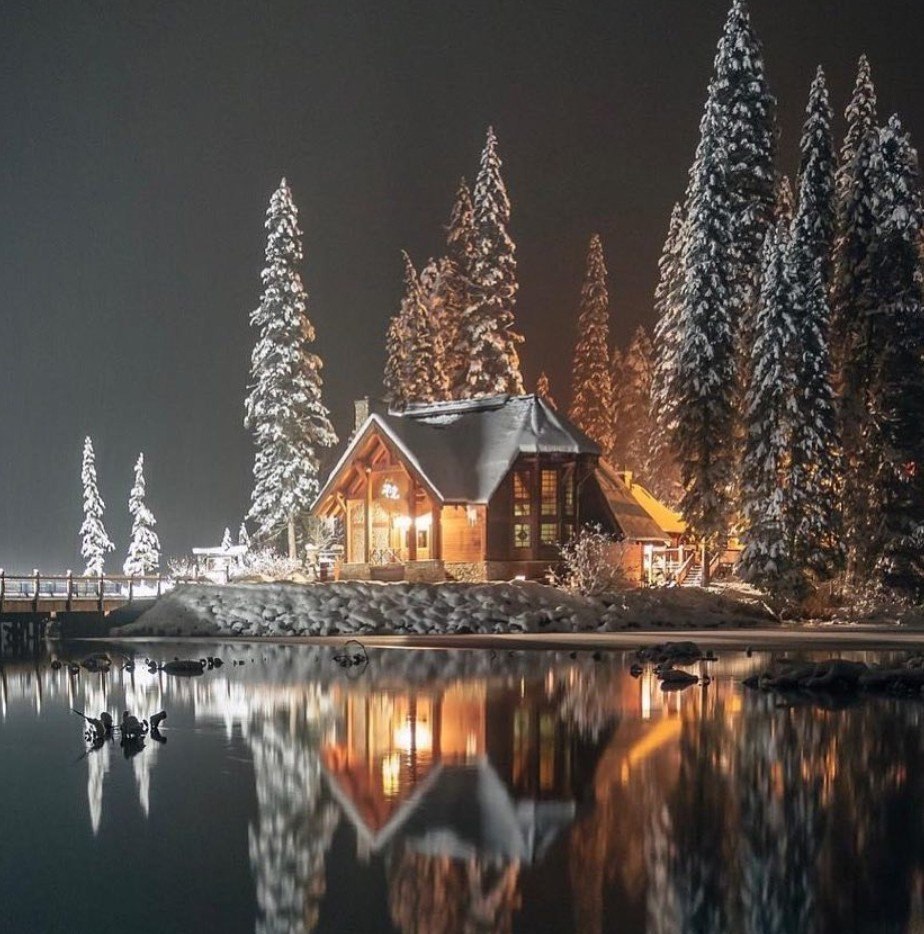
{"x": 429, "y": 609}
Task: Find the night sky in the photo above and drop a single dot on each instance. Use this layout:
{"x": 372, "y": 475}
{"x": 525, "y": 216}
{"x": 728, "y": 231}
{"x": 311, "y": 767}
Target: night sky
{"x": 141, "y": 142}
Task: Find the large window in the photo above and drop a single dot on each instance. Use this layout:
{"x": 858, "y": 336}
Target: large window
{"x": 522, "y": 535}
{"x": 522, "y": 493}
{"x": 549, "y": 492}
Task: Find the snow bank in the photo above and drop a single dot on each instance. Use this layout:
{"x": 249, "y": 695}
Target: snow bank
{"x": 359, "y": 607}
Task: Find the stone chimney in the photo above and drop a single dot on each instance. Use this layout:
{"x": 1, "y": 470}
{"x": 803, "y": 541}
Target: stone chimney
{"x": 361, "y": 412}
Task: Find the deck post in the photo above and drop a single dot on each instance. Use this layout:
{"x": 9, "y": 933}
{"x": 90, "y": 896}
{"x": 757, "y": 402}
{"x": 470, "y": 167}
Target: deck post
{"x": 102, "y": 591}
{"x": 368, "y": 542}
{"x": 36, "y": 583}
{"x": 158, "y": 584}
{"x": 412, "y": 513}
{"x": 131, "y": 589}
{"x": 70, "y": 590}
{"x": 2, "y": 591}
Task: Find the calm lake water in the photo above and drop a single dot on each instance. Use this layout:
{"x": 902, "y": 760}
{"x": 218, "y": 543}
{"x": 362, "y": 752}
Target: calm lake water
{"x": 451, "y": 791}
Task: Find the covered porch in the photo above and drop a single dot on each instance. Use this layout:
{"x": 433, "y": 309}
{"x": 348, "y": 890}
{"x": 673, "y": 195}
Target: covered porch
{"x": 391, "y": 514}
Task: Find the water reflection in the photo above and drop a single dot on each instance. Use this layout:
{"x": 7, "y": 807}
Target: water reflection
{"x": 460, "y": 791}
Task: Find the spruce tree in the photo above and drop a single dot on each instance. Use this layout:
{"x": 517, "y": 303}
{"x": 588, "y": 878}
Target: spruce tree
{"x": 635, "y": 408}
{"x": 95, "y": 543}
{"x": 144, "y": 550}
{"x": 414, "y": 370}
{"x": 665, "y": 480}
{"x": 227, "y": 542}
{"x": 284, "y": 409}
{"x": 766, "y": 559}
{"x": 852, "y": 301}
{"x": 456, "y": 291}
{"x": 813, "y": 515}
{"x": 243, "y": 537}
{"x": 591, "y": 390}
{"x": 618, "y": 451}
{"x": 785, "y": 200}
{"x": 441, "y": 319}
{"x": 706, "y": 364}
{"x": 489, "y": 335}
{"x": 544, "y": 389}
{"x": 746, "y": 109}
{"x": 894, "y": 334}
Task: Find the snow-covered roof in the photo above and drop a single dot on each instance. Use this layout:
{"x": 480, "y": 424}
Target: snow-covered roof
{"x": 464, "y": 449}
{"x": 635, "y": 521}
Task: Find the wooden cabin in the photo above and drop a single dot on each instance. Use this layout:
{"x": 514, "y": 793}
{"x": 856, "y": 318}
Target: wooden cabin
{"x": 481, "y": 489}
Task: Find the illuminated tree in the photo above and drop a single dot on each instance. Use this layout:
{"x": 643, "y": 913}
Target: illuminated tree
{"x": 456, "y": 291}
{"x": 144, "y": 550}
{"x": 705, "y": 382}
{"x": 226, "y": 540}
{"x": 414, "y": 371}
{"x": 243, "y": 537}
{"x": 284, "y": 409}
{"x": 95, "y": 543}
{"x": 489, "y": 335}
{"x": 544, "y": 389}
{"x": 633, "y": 401}
{"x": 591, "y": 391}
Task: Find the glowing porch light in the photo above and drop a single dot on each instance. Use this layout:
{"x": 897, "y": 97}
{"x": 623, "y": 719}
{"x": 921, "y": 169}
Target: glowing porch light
{"x": 417, "y": 736}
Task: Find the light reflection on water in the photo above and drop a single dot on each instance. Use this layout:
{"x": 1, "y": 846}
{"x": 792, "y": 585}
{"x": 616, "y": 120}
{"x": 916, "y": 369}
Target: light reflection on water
{"x": 455, "y": 791}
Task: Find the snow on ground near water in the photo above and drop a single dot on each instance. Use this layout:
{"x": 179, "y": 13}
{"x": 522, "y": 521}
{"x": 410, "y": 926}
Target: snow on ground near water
{"x": 361, "y": 607}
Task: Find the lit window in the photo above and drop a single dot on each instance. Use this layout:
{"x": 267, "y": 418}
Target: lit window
{"x": 548, "y": 533}
{"x": 567, "y": 531}
{"x": 521, "y": 535}
{"x": 422, "y": 538}
{"x": 522, "y": 495}
{"x": 389, "y": 490}
{"x": 549, "y": 484}
{"x": 568, "y": 496}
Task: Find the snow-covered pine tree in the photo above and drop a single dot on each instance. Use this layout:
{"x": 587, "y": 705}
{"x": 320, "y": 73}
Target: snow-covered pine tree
{"x": 785, "y": 200}
{"x": 489, "y": 335}
{"x": 852, "y": 299}
{"x": 895, "y": 346}
{"x": 618, "y": 451}
{"x": 456, "y": 270}
{"x": 284, "y": 409}
{"x": 635, "y": 408}
{"x": 591, "y": 390}
{"x": 227, "y": 542}
{"x": 706, "y": 363}
{"x": 441, "y": 319}
{"x": 746, "y": 109}
{"x": 94, "y": 542}
{"x": 766, "y": 559}
{"x": 144, "y": 550}
{"x": 544, "y": 389}
{"x": 243, "y": 537}
{"x": 414, "y": 369}
{"x": 813, "y": 522}
{"x": 665, "y": 480}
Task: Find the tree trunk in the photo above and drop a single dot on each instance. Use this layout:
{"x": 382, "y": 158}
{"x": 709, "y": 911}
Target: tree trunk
{"x": 293, "y": 550}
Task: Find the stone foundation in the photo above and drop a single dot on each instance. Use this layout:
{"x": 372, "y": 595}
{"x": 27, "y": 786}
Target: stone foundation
{"x": 425, "y": 572}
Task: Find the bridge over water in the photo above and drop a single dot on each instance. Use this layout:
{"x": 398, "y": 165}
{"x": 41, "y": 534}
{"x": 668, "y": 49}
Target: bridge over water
{"x": 29, "y": 602}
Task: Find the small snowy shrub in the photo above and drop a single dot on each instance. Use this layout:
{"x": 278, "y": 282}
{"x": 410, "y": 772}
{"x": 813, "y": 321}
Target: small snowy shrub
{"x": 182, "y": 568}
{"x": 591, "y": 564}
{"x": 268, "y": 564}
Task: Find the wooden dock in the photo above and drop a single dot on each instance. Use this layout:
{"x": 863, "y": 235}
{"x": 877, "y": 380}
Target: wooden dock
{"x": 29, "y": 602}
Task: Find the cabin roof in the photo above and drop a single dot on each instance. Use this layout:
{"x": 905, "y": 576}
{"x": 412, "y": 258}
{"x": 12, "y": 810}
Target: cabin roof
{"x": 631, "y": 515}
{"x": 464, "y": 449}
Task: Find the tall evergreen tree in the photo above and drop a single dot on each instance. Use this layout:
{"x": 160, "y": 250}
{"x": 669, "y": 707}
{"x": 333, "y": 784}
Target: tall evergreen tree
{"x": 706, "y": 363}
{"x": 144, "y": 550}
{"x": 894, "y": 334}
{"x": 618, "y": 451}
{"x": 544, "y": 389}
{"x": 95, "y": 543}
{"x": 414, "y": 370}
{"x": 785, "y": 200}
{"x": 813, "y": 515}
{"x": 456, "y": 290}
{"x": 284, "y": 409}
{"x": 746, "y": 110}
{"x": 635, "y": 409}
{"x": 493, "y": 362}
{"x": 227, "y": 542}
{"x": 853, "y": 299}
{"x": 667, "y": 303}
{"x": 769, "y": 412}
{"x": 591, "y": 390}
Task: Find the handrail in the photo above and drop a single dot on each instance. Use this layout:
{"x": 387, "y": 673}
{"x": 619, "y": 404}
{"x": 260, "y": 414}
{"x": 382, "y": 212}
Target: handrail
{"x": 685, "y": 568}
{"x": 33, "y": 588}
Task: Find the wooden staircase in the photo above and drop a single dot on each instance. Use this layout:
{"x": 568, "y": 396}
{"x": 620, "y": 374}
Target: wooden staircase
{"x": 694, "y": 576}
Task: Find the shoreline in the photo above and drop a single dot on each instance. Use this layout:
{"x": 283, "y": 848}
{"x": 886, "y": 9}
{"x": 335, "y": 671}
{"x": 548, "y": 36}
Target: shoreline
{"x": 758, "y": 638}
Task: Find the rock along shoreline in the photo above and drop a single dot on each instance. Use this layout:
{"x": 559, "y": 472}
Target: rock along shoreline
{"x": 252, "y": 610}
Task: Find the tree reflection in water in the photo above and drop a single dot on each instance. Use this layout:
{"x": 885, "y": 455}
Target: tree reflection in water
{"x": 545, "y": 793}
